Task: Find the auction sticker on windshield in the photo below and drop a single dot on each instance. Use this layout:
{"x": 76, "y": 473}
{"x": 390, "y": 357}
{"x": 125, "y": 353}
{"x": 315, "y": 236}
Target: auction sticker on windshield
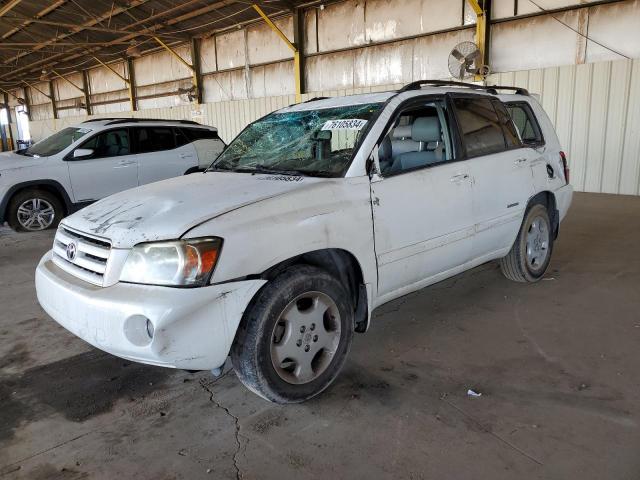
{"x": 345, "y": 124}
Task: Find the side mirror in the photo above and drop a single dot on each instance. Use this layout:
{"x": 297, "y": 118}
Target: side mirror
{"x": 82, "y": 152}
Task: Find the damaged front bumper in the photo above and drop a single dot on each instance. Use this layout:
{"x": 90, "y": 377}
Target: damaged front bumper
{"x": 188, "y": 328}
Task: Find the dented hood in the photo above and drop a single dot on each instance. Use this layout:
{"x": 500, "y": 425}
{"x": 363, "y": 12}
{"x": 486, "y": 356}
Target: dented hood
{"x": 168, "y": 209}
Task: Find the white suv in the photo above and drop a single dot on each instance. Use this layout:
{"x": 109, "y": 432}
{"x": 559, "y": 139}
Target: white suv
{"x": 81, "y": 164}
{"x": 311, "y": 218}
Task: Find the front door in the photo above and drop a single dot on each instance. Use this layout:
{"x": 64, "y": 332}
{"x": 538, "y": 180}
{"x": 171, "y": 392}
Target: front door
{"x": 422, "y": 202}
{"x": 110, "y": 169}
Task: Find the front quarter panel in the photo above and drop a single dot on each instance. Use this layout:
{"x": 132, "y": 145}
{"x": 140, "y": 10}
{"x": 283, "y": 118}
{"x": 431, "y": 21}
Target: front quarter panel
{"x": 335, "y": 213}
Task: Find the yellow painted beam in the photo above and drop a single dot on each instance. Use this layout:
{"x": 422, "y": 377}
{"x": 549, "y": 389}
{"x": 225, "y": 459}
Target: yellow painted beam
{"x": 37, "y": 89}
{"x": 68, "y": 81}
{"x": 274, "y": 27}
{"x": 125, "y": 80}
{"x": 174, "y": 53}
{"x": 481, "y": 28}
{"x": 294, "y": 48}
{"x": 9, "y": 93}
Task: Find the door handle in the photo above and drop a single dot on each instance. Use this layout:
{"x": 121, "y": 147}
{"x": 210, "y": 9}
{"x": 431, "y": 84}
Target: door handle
{"x": 460, "y": 177}
{"x": 186, "y": 155}
{"x": 520, "y": 161}
{"x": 125, "y": 163}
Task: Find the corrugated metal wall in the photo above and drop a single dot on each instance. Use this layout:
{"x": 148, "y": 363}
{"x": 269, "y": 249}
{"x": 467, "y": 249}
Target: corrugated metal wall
{"x": 596, "y": 110}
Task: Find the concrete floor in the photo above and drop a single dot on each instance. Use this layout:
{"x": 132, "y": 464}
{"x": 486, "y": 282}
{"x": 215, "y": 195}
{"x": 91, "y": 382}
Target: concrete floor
{"x": 557, "y": 362}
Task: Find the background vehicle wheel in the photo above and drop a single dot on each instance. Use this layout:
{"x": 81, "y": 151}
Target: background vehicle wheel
{"x": 33, "y": 210}
{"x": 531, "y": 252}
{"x": 295, "y": 336}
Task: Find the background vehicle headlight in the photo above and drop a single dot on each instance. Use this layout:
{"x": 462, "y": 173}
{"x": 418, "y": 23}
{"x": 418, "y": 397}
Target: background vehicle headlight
{"x": 180, "y": 263}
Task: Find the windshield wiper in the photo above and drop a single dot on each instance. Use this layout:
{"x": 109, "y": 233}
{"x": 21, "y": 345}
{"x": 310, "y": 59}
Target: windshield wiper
{"x": 287, "y": 171}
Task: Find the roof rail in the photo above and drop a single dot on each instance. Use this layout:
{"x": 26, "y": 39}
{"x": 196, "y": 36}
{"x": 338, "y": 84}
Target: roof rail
{"x": 314, "y": 99}
{"x": 493, "y": 89}
{"x": 115, "y": 121}
{"x": 101, "y": 119}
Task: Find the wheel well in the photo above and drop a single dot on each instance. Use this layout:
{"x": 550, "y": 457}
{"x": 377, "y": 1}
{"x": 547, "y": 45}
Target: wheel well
{"x": 549, "y": 199}
{"x": 47, "y": 187}
{"x": 339, "y": 263}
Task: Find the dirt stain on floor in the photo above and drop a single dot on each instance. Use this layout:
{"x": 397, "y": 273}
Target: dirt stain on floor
{"x": 78, "y": 388}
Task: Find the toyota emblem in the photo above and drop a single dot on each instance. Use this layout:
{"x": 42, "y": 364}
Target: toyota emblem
{"x": 71, "y": 251}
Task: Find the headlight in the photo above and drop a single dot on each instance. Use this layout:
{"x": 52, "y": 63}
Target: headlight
{"x": 179, "y": 263}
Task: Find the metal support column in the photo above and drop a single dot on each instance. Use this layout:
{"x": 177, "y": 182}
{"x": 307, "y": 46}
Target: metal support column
{"x": 482, "y": 9}
{"x": 132, "y": 85}
{"x": 298, "y": 42}
{"x": 9, "y": 132}
{"x": 85, "y": 91}
{"x": 52, "y": 97}
{"x": 197, "y": 69}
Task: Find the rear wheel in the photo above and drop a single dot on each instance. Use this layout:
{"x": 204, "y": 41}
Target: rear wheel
{"x": 295, "y": 336}
{"x": 528, "y": 259}
{"x": 33, "y": 210}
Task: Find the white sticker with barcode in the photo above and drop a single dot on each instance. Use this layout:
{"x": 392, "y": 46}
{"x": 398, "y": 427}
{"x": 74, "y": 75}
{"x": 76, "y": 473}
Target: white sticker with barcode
{"x": 345, "y": 124}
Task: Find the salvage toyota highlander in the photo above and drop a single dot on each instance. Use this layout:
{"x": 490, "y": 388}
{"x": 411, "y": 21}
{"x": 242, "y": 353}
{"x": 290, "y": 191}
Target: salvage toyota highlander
{"x": 311, "y": 218}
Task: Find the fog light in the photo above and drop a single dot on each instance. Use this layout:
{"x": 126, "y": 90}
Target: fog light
{"x": 139, "y": 330}
{"x": 149, "y": 328}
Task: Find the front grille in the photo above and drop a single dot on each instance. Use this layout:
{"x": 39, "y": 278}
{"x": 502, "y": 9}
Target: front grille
{"x": 91, "y": 255}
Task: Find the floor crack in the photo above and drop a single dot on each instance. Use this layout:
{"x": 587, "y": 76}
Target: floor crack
{"x": 208, "y": 388}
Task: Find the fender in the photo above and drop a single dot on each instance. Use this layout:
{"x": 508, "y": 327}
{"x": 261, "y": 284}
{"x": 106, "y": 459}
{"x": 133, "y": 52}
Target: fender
{"x": 53, "y": 184}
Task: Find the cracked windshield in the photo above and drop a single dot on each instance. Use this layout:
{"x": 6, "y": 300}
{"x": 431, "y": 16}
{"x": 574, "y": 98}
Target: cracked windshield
{"x": 310, "y": 142}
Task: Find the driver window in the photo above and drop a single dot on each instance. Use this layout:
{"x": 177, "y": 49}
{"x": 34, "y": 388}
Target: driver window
{"x": 418, "y": 138}
{"x": 112, "y": 143}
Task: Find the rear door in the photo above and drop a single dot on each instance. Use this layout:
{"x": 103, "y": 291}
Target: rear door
{"x": 112, "y": 168}
{"x": 206, "y": 142}
{"x": 162, "y": 152}
{"x": 501, "y": 170}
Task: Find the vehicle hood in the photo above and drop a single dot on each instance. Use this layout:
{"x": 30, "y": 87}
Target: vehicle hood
{"x": 13, "y": 161}
{"x": 168, "y": 209}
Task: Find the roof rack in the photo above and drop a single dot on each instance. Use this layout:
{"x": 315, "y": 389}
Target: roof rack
{"x": 115, "y": 121}
{"x": 493, "y": 89}
{"x": 315, "y": 98}
{"x": 101, "y": 119}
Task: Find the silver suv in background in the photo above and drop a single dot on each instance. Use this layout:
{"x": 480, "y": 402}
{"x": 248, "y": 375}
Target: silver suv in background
{"x": 78, "y": 165}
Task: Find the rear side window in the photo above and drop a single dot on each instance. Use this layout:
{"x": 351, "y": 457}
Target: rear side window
{"x": 508, "y": 128}
{"x": 526, "y": 123}
{"x": 154, "y": 139}
{"x": 480, "y": 126}
{"x": 194, "y": 134}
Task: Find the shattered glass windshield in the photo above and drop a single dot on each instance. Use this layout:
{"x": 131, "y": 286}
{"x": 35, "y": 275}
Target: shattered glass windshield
{"x": 311, "y": 142}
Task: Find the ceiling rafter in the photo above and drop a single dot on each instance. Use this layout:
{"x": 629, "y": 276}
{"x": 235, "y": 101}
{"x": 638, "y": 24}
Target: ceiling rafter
{"x": 153, "y": 29}
{"x": 78, "y": 28}
{"x": 40, "y": 14}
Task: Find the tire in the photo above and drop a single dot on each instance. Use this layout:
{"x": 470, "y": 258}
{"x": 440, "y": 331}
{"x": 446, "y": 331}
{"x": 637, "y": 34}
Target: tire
{"x": 48, "y": 209}
{"x": 295, "y": 314}
{"x": 529, "y": 257}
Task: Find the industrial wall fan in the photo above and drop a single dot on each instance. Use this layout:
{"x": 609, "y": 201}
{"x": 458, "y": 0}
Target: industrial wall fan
{"x": 465, "y": 61}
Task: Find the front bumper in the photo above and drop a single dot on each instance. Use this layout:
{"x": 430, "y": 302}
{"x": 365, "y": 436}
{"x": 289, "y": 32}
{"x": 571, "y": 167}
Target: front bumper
{"x": 193, "y": 328}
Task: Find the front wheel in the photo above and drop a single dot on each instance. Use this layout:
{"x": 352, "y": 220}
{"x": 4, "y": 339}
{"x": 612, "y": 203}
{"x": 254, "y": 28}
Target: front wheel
{"x": 33, "y": 210}
{"x": 528, "y": 259}
{"x": 295, "y": 336}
